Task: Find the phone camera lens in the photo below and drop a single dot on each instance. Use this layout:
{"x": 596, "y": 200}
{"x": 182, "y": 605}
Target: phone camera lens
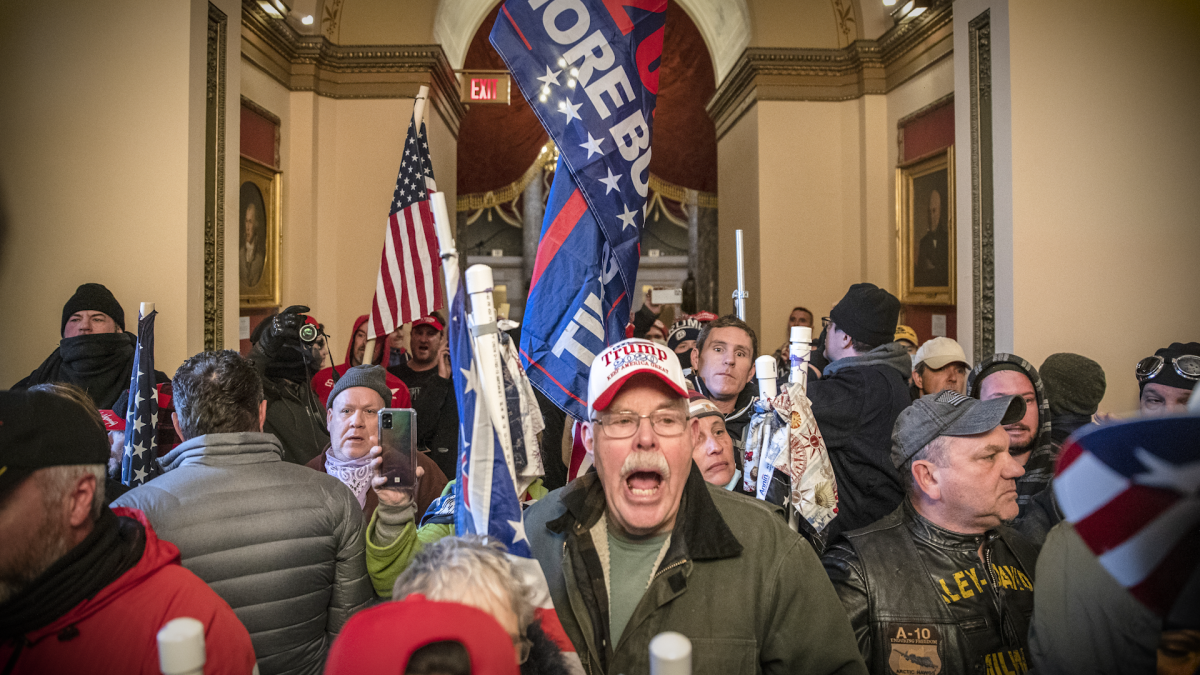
{"x": 387, "y": 421}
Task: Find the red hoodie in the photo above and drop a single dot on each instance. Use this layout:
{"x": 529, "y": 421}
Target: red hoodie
{"x": 322, "y": 382}
{"x": 116, "y": 631}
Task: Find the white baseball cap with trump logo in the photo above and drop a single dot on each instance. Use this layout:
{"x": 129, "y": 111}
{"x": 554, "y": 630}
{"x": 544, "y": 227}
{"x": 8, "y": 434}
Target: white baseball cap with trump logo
{"x": 613, "y": 367}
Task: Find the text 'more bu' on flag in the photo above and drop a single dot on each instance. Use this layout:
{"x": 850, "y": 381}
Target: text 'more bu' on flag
{"x": 1132, "y": 491}
{"x": 410, "y": 268}
{"x": 141, "y": 416}
{"x": 589, "y": 69}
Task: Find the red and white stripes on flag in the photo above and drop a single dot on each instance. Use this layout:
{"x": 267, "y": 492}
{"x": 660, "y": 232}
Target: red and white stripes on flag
{"x": 1132, "y": 491}
{"x": 410, "y": 268}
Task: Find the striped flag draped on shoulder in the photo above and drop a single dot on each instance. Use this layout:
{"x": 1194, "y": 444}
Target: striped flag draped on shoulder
{"x": 410, "y": 269}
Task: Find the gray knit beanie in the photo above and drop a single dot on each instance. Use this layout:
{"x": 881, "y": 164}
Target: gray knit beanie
{"x": 1074, "y": 384}
{"x": 371, "y": 377}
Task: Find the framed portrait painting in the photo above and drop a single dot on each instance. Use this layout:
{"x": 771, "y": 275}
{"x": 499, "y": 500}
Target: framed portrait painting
{"x": 260, "y": 198}
{"x": 925, "y": 227}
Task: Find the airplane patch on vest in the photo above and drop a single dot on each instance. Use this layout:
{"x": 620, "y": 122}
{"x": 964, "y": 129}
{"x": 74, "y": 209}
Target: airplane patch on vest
{"x": 914, "y": 649}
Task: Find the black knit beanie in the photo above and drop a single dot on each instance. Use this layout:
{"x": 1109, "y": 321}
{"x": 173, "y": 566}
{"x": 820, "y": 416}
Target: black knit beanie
{"x": 1167, "y": 374}
{"x": 95, "y": 298}
{"x": 1074, "y": 384}
{"x": 868, "y": 314}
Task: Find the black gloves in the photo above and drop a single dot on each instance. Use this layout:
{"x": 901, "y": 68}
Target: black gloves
{"x": 284, "y": 331}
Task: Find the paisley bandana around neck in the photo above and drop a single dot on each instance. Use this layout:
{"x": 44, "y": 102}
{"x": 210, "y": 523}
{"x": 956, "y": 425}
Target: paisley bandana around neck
{"x": 355, "y": 473}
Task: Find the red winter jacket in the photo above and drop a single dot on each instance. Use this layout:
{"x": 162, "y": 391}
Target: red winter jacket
{"x": 116, "y": 631}
{"x": 322, "y": 382}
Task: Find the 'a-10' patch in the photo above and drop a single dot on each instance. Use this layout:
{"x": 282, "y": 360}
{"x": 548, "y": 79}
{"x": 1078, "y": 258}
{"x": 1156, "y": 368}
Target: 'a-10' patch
{"x": 914, "y": 649}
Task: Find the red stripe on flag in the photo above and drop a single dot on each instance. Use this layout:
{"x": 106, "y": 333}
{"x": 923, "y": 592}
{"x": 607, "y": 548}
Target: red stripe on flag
{"x": 435, "y": 260}
{"x": 399, "y": 234}
{"x": 553, "y": 628}
{"x": 614, "y": 305}
{"x": 565, "y": 390}
{"x": 1160, "y": 589}
{"x": 1067, "y": 457}
{"x": 516, "y": 28}
{"x": 1123, "y": 516}
{"x": 560, "y": 229}
{"x": 414, "y": 254}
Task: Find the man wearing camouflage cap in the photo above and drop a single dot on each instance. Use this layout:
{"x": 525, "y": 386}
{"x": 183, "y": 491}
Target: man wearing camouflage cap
{"x": 942, "y": 584}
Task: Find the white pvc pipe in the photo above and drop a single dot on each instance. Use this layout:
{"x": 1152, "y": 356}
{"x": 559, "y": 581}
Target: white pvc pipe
{"x": 799, "y": 350}
{"x": 445, "y": 236}
{"x": 181, "y": 647}
{"x": 670, "y": 654}
{"x": 740, "y": 301}
{"x": 487, "y": 353}
{"x": 768, "y": 376}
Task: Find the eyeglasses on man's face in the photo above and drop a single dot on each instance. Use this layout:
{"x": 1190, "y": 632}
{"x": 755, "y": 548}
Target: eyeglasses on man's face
{"x": 623, "y": 424}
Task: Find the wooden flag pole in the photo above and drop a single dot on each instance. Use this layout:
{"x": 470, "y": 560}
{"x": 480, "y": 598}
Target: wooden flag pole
{"x": 418, "y": 118}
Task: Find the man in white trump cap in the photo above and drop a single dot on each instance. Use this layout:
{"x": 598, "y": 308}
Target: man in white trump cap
{"x": 643, "y": 545}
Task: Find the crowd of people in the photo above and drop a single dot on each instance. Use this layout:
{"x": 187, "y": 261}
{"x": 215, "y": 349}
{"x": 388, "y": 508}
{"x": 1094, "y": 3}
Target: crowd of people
{"x": 268, "y": 520}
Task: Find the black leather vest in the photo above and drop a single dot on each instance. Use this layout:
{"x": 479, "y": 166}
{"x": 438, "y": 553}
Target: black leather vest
{"x": 914, "y": 628}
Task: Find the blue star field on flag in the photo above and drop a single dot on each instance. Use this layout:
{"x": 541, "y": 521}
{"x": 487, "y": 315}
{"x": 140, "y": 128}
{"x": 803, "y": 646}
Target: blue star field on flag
{"x": 589, "y": 70}
{"x": 141, "y": 417}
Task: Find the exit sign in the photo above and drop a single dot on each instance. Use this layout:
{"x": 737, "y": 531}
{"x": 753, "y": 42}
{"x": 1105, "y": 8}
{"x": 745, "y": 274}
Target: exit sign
{"x": 484, "y": 86}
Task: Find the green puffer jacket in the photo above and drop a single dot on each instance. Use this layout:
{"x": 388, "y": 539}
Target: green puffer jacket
{"x": 749, "y": 593}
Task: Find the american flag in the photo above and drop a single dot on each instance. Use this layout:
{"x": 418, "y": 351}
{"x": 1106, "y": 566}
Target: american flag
{"x": 485, "y": 493}
{"x": 407, "y": 285}
{"x": 1132, "y": 491}
{"x": 141, "y": 429}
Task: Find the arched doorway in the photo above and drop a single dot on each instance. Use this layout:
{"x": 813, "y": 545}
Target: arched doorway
{"x": 505, "y": 166}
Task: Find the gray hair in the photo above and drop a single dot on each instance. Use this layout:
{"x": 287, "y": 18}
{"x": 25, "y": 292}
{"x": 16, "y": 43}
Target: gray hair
{"x": 455, "y": 568}
{"x": 934, "y": 451}
{"x": 58, "y": 481}
{"x": 217, "y": 392}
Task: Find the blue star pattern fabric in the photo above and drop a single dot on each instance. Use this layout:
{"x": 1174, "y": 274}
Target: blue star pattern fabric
{"x": 141, "y": 418}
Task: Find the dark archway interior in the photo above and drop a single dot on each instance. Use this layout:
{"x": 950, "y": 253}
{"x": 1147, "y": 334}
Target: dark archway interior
{"x": 496, "y": 143}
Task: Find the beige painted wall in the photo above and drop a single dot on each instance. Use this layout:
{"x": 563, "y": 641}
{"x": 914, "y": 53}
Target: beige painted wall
{"x": 339, "y": 159}
{"x": 797, "y": 23}
{"x": 102, "y": 167}
{"x": 386, "y": 22}
{"x": 1105, "y": 197}
{"x": 808, "y": 182}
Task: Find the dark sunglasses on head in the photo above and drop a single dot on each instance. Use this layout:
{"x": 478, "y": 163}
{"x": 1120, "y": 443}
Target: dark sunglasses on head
{"x": 1187, "y": 366}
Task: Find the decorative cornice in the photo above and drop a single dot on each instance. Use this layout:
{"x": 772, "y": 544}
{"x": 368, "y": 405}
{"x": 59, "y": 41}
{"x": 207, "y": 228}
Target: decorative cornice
{"x": 313, "y": 63}
{"x": 863, "y": 67}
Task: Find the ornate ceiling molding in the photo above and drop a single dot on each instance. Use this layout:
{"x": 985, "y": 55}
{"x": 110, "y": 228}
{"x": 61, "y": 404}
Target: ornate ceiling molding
{"x": 313, "y": 63}
{"x": 863, "y": 67}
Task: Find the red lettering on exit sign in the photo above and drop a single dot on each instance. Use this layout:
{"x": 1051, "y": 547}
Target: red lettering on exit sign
{"x": 483, "y": 89}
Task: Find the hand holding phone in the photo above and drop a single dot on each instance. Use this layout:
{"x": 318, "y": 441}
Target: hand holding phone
{"x": 396, "y": 463}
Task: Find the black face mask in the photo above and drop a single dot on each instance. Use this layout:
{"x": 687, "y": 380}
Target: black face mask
{"x": 685, "y": 359}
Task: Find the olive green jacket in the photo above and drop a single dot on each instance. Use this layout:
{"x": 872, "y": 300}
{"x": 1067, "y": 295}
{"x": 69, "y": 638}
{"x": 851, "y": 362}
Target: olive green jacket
{"x": 748, "y": 592}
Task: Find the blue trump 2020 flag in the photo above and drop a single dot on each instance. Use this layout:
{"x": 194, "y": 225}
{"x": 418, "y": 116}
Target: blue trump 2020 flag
{"x": 589, "y": 69}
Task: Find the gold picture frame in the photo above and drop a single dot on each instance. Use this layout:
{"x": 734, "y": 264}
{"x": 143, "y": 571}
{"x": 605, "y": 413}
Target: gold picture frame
{"x": 257, "y": 259}
{"x": 927, "y": 265}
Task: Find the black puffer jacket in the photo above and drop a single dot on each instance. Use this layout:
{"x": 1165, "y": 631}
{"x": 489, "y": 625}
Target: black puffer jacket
{"x": 920, "y": 599}
{"x": 856, "y": 403}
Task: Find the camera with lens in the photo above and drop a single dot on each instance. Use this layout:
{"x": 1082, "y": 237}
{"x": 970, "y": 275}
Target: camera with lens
{"x": 308, "y": 333}
{"x": 387, "y": 420}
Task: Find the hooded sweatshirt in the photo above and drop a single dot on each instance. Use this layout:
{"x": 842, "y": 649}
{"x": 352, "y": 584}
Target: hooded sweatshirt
{"x": 856, "y": 403}
{"x": 323, "y": 381}
{"x": 99, "y": 363}
{"x": 114, "y": 630}
{"x": 1039, "y": 468}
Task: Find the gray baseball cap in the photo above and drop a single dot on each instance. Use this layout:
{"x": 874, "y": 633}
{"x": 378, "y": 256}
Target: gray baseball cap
{"x": 949, "y": 413}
